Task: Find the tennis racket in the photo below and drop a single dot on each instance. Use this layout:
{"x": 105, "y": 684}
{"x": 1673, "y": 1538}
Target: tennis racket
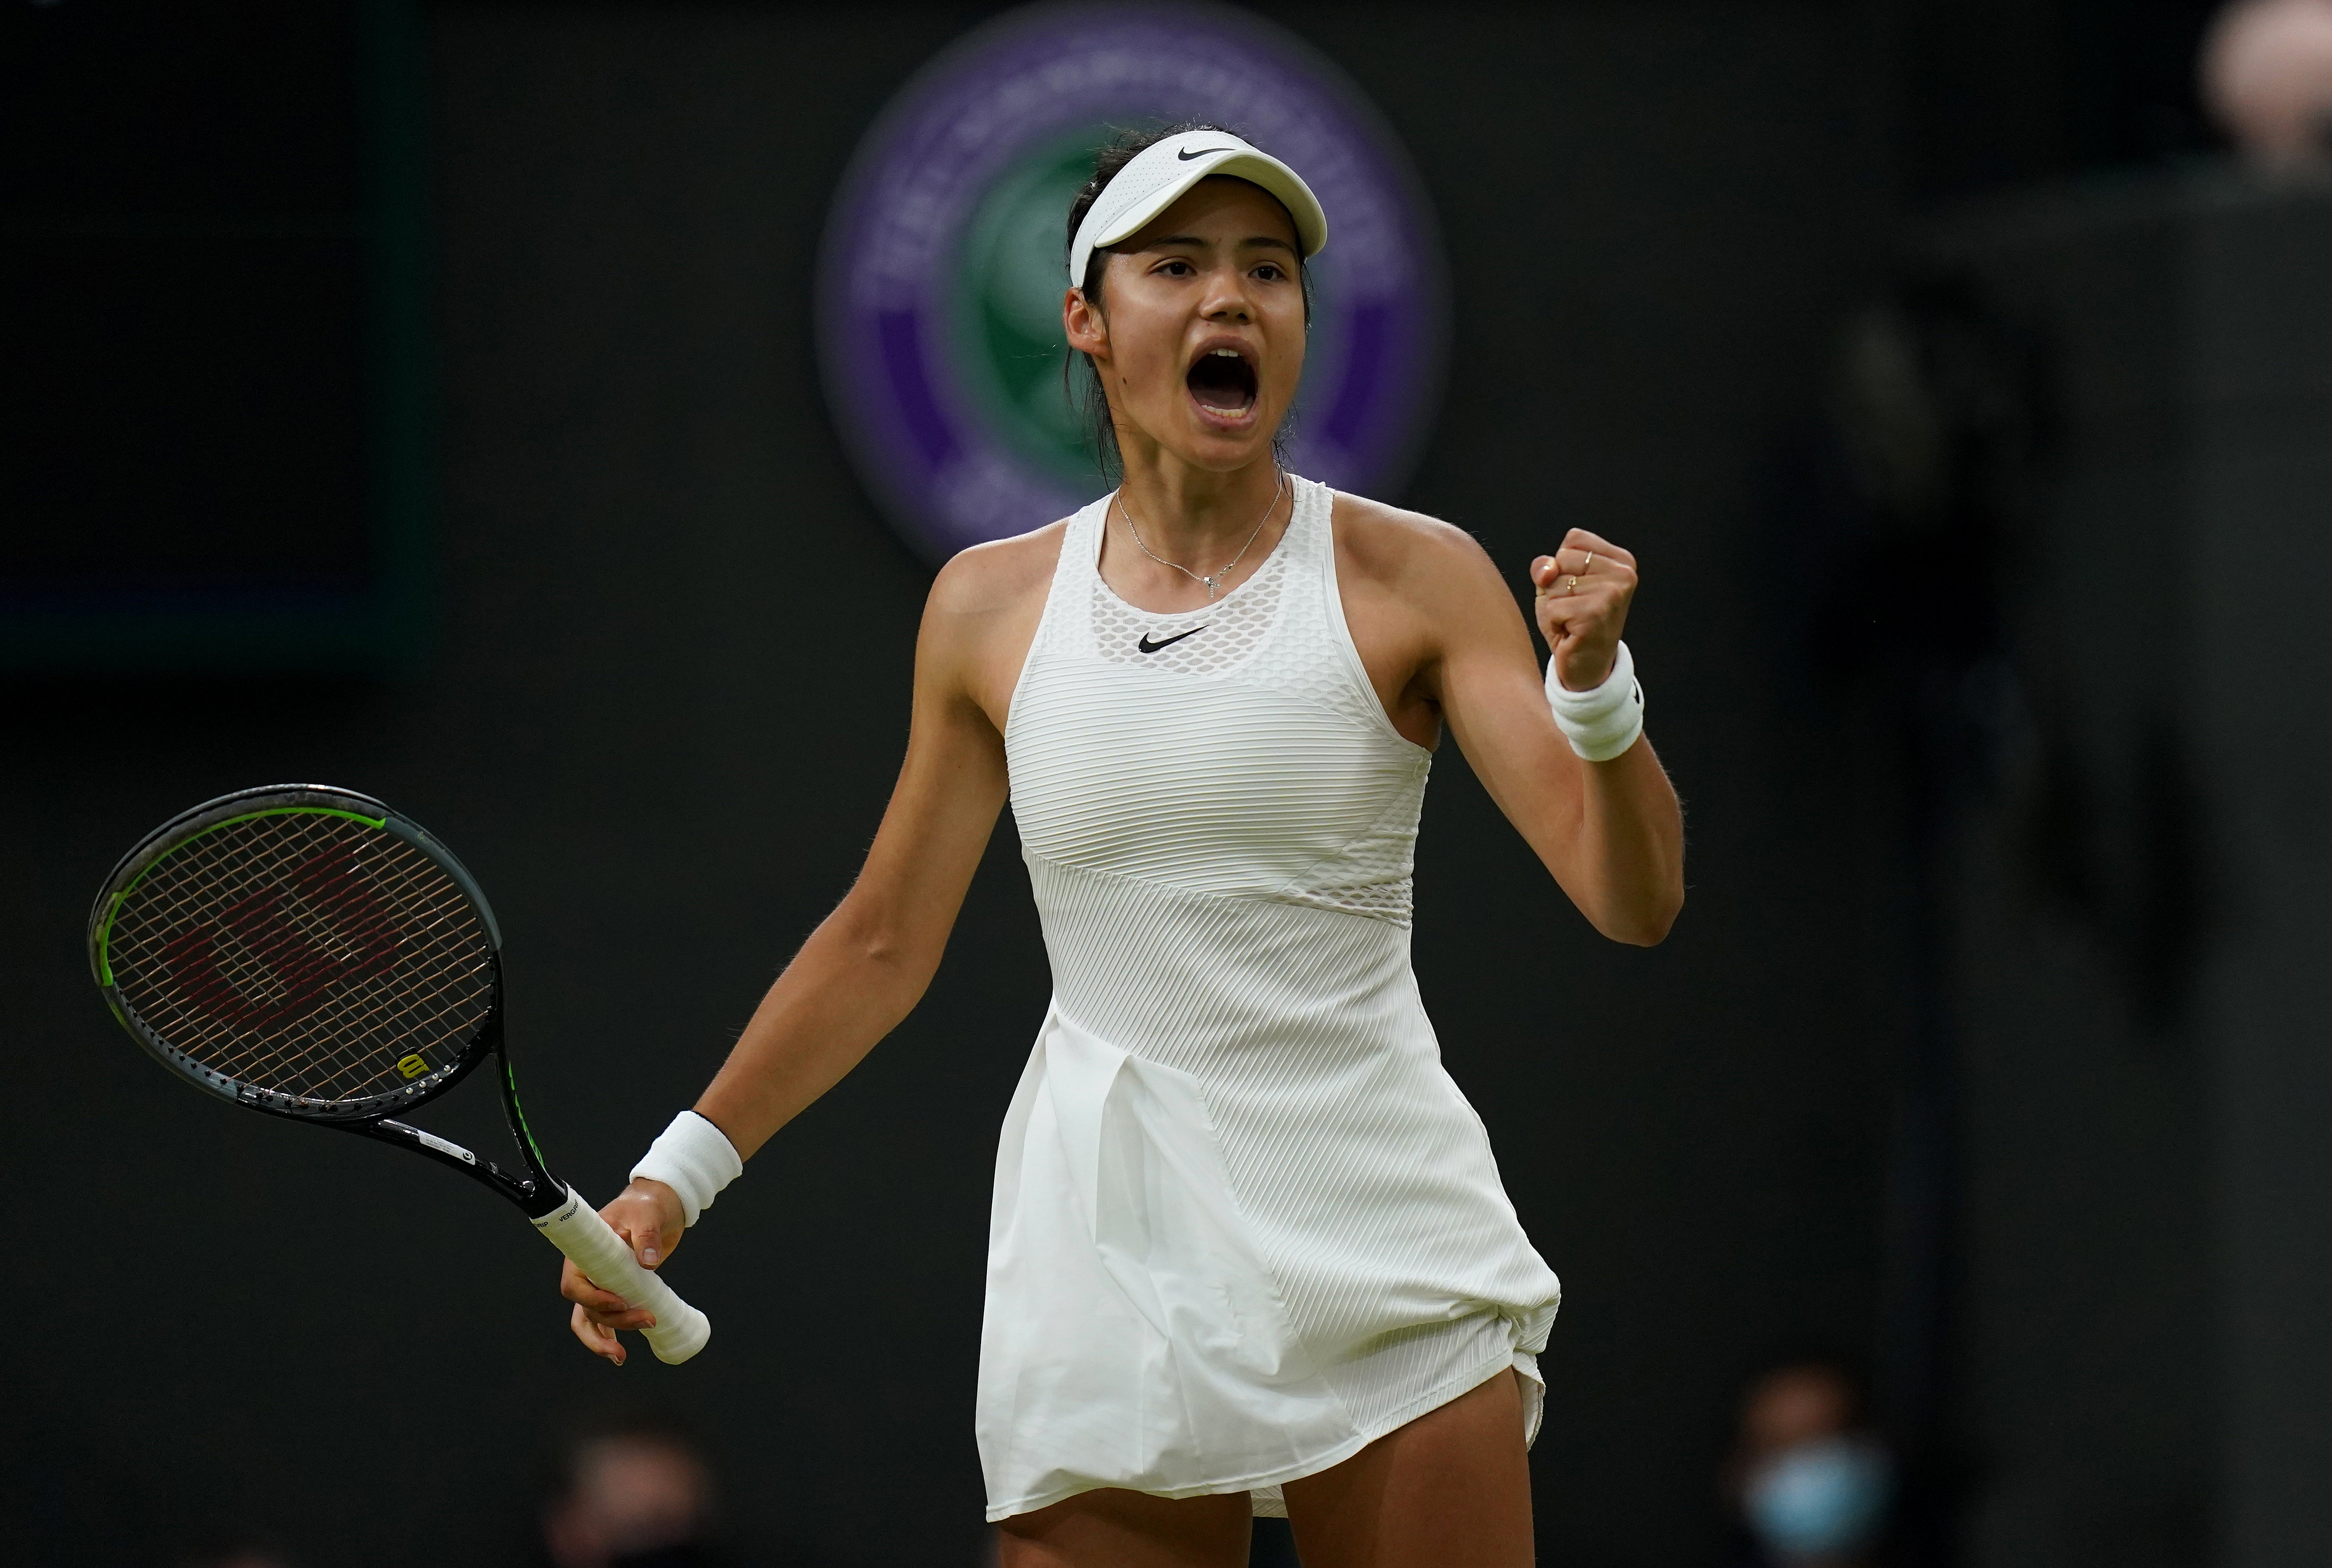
{"x": 308, "y": 952}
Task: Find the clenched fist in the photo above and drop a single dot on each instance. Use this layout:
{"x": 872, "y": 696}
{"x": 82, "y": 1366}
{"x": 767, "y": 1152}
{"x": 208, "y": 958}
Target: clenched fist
{"x": 1584, "y": 592}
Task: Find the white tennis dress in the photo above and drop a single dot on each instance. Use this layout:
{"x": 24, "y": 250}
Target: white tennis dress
{"x": 1244, "y": 1222}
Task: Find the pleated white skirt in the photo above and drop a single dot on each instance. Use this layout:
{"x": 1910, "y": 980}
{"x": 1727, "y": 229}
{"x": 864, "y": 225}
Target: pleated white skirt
{"x": 1137, "y": 1334}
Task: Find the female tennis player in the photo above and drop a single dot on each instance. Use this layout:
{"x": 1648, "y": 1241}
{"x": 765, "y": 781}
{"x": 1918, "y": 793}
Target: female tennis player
{"x": 1249, "y": 1249}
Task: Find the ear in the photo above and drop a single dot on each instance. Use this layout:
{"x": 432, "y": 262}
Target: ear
{"x": 1081, "y": 318}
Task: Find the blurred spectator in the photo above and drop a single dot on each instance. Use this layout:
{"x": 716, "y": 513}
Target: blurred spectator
{"x": 1813, "y": 1486}
{"x": 2267, "y": 73}
{"x": 627, "y": 1491}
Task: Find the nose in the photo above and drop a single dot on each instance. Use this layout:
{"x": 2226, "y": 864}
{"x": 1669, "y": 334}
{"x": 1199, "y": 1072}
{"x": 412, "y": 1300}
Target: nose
{"x": 1226, "y": 298}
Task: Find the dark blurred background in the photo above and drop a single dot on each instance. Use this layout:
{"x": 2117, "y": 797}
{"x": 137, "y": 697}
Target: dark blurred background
{"x": 1967, "y": 402}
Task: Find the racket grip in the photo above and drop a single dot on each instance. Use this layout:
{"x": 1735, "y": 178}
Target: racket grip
{"x": 576, "y": 1228}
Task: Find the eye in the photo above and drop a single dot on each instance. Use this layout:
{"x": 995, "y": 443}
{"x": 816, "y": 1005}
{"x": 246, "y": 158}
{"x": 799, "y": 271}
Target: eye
{"x": 1176, "y": 267}
{"x": 1272, "y": 272}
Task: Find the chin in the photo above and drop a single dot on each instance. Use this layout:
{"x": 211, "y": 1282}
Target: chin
{"x": 1216, "y": 443}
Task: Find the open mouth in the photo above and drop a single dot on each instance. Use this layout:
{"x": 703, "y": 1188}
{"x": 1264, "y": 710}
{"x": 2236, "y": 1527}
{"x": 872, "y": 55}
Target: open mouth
{"x": 1223, "y": 381}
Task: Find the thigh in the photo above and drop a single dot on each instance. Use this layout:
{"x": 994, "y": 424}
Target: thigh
{"x": 1113, "y": 1528}
{"x": 1451, "y": 1489}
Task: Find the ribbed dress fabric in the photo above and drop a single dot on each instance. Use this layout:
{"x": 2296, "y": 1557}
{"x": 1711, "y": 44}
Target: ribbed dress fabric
{"x": 1244, "y": 1223}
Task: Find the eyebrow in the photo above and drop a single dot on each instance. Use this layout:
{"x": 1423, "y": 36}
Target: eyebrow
{"x": 1253, "y": 240}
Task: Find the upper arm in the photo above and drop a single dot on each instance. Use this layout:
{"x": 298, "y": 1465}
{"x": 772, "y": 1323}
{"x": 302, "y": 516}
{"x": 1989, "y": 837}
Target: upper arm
{"x": 949, "y": 790}
{"x": 1478, "y": 663}
{"x": 952, "y": 784}
{"x": 1610, "y": 833}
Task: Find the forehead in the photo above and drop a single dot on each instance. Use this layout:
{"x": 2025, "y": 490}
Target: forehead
{"x": 1221, "y": 208}
{"x": 1800, "y": 1401}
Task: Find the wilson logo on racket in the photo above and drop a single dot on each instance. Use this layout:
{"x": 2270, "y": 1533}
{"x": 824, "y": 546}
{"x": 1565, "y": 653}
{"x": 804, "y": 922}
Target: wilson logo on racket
{"x": 273, "y": 970}
{"x": 304, "y": 902}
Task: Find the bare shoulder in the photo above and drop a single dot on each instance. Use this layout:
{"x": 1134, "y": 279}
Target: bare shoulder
{"x": 1409, "y": 553}
{"x": 983, "y": 614}
{"x": 1000, "y": 577}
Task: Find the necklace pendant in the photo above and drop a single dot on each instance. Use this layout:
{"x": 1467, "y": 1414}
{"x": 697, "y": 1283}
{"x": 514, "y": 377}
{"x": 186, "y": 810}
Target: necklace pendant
{"x": 1215, "y": 583}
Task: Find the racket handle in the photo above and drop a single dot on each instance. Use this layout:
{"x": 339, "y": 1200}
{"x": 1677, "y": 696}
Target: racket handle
{"x": 576, "y": 1228}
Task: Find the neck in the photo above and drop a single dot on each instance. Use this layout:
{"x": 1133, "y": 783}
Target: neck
{"x": 1197, "y": 516}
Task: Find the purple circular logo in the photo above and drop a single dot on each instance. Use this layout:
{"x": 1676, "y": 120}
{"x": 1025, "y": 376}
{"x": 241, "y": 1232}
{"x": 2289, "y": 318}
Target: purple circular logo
{"x": 939, "y": 289}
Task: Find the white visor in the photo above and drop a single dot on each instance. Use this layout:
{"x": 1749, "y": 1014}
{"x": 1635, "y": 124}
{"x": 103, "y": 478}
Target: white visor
{"x": 1158, "y": 174}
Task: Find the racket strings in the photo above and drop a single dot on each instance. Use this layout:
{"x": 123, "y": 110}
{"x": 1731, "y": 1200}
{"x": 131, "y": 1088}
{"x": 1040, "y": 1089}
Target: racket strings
{"x": 235, "y": 1002}
{"x": 402, "y": 1009}
{"x": 305, "y": 954}
{"x": 266, "y": 1026}
{"x": 383, "y": 1010}
{"x": 365, "y": 1021}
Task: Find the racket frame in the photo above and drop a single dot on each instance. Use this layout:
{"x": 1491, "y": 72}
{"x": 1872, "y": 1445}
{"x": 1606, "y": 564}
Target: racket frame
{"x": 535, "y": 1191}
{"x": 538, "y": 1192}
{"x": 555, "y": 1209}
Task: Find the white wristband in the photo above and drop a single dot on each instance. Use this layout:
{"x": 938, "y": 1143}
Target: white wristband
{"x": 1603, "y": 722}
{"x": 694, "y": 1159}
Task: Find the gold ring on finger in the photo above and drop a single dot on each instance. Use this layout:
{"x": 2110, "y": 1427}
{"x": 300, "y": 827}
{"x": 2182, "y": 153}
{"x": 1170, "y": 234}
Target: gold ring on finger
{"x": 1591, "y": 563}
{"x": 1574, "y": 586}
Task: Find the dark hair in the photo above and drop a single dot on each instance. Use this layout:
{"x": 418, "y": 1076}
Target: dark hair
{"x": 1109, "y": 159}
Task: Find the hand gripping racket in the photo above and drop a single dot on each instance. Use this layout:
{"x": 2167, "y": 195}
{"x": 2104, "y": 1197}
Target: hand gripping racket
{"x": 308, "y": 952}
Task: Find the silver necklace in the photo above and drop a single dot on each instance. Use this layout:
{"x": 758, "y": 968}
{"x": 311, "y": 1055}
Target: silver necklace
{"x": 1214, "y": 583}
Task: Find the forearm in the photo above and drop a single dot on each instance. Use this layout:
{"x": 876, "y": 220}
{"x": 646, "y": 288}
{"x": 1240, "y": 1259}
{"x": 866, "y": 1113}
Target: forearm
{"x": 860, "y": 973}
{"x": 846, "y": 988}
{"x": 852, "y": 983}
{"x": 1629, "y": 847}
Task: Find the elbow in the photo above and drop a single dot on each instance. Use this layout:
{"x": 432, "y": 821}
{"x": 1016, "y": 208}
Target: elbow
{"x": 1645, "y": 927}
{"x": 887, "y": 963}
{"x": 878, "y": 942}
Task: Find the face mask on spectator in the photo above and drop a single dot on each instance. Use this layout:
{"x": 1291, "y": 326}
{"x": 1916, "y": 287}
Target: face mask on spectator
{"x": 1824, "y": 1498}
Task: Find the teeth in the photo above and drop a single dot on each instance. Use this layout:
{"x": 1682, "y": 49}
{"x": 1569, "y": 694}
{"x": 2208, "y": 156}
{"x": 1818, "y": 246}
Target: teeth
{"x": 1225, "y": 353}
